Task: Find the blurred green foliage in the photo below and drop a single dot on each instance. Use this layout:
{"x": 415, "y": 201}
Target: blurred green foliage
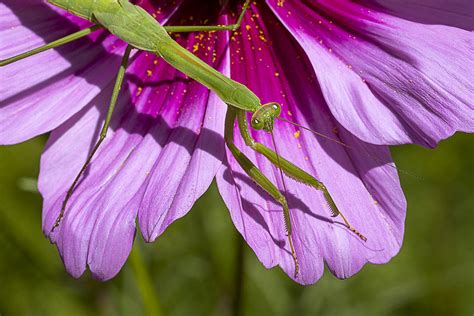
{"x": 192, "y": 264}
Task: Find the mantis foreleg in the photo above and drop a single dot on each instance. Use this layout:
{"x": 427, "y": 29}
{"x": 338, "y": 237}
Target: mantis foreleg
{"x": 260, "y": 179}
{"x": 103, "y": 132}
{"x": 290, "y": 169}
{"x": 206, "y": 28}
{"x": 54, "y": 44}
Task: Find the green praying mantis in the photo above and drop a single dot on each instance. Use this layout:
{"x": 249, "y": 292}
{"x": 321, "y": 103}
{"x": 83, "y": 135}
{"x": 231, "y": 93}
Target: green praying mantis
{"x": 141, "y": 31}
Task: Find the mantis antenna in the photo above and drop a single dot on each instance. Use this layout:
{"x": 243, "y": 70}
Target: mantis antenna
{"x": 345, "y": 145}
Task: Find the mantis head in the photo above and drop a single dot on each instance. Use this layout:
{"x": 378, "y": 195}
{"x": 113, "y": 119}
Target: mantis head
{"x": 265, "y": 116}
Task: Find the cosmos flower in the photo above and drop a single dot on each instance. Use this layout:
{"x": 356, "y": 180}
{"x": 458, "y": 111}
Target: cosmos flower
{"x": 369, "y": 73}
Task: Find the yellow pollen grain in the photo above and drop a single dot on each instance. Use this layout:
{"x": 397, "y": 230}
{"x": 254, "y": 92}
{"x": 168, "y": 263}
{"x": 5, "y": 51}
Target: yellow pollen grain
{"x": 149, "y": 73}
{"x": 297, "y": 134}
{"x": 139, "y": 91}
{"x": 247, "y": 27}
{"x": 277, "y": 74}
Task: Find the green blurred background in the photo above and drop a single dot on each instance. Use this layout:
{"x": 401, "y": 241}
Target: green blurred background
{"x": 192, "y": 265}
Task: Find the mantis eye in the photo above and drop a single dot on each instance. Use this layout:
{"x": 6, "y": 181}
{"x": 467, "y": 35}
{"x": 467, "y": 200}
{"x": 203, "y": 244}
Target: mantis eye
{"x": 275, "y": 108}
{"x": 257, "y": 123}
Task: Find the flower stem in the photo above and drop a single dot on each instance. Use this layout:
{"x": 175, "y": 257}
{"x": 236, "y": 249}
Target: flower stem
{"x": 238, "y": 276}
{"x": 144, "y": 283}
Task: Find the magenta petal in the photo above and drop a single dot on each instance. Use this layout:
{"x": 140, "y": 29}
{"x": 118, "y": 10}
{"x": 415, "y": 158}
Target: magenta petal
{"x": 457, "y": 13}
{"x": 385, "y": 79}
{"x": 362, "y": 178}
{"x": 188, "y": 162}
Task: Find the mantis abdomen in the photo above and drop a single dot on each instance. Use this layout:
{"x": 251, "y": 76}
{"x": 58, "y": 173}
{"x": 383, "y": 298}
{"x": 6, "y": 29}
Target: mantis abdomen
{"x": 134, "y": 25}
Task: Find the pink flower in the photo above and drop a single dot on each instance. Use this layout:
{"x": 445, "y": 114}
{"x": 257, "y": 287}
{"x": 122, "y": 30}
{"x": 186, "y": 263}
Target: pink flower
{"x": 371, "y": 73}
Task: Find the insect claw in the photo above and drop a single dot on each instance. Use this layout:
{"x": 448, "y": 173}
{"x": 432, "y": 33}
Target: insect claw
{"x": 56, "y": 223}
{"x": 352, "y": 229}
{"x": 297, "y": 268}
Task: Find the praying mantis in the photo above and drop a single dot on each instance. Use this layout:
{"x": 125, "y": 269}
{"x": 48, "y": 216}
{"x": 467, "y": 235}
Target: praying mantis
{"x": 141, "y": 31}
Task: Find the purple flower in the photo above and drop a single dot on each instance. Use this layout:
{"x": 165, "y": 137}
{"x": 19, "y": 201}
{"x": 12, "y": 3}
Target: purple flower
{"x": 371, "y": 73}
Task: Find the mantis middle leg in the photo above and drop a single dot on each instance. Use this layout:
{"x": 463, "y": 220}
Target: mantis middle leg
{"x": 54, "y": 44}
{"x": 205, "y": 28}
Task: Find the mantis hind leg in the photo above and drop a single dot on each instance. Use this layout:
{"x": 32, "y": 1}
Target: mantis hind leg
{"x": 205, "y": 28}
{"x": 56, "y": 43}
{"x": 260, "y": 179}
{"x": 292, "y": 171}
{"x": 103, "y": 133}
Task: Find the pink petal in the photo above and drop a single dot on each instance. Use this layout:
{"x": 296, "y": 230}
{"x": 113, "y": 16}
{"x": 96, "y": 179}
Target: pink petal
{"x": 165, "y": 141}
{"x": 387, "y": 80}
{"x": 362, "y": 179}
{"x": 39, "y": 93}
